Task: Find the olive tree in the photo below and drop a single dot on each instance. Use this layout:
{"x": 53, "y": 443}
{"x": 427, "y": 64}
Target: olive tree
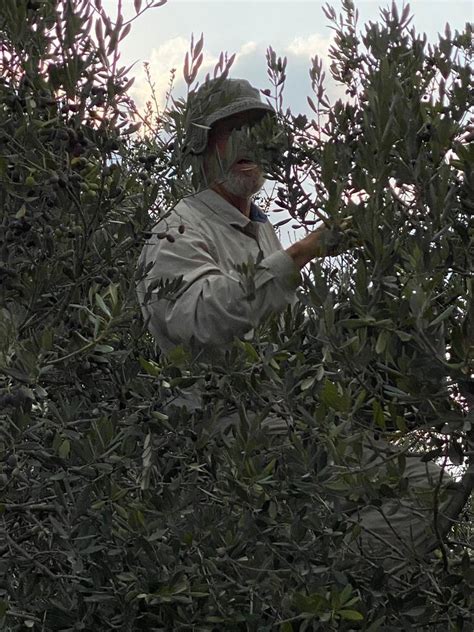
{"x": 123, "y": 511}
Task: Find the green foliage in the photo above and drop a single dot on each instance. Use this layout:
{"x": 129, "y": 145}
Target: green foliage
{"x": 123, "y": 511}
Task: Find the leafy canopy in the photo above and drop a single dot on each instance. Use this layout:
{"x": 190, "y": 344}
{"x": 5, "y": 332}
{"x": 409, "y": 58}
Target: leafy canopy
{"x": 119, "y": 512}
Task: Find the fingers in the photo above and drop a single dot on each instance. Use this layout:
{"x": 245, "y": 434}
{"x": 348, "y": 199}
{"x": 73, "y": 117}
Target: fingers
{"x": 346, "y": 223}
{"x": 337, "y": 239}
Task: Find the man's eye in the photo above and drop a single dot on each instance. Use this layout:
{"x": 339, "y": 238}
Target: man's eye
{"x": 239, "y": 128}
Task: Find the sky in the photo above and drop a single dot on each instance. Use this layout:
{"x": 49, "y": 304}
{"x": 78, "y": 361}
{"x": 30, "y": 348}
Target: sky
{"x": 297, "y": 29}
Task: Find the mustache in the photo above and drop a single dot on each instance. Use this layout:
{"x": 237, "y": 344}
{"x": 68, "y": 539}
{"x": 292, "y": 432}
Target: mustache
{"x": 251, "y": 167}
{"x": 241, "y": 161}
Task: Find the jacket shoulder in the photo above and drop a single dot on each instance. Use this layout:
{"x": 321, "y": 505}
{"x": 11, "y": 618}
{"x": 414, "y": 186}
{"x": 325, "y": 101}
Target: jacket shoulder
{"x": 187, "y": 211}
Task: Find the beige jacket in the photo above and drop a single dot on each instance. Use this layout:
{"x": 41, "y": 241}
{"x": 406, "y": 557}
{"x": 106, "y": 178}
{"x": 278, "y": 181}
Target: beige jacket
{"x": 215, "y": 302}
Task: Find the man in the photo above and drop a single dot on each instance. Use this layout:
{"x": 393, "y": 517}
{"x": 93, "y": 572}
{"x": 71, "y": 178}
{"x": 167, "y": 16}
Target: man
{"x": 218, "y": 229}
{"x": 200, "y": 249}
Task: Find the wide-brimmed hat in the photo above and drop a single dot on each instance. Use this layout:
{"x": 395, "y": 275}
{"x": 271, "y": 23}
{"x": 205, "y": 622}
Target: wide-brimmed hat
{"x": 215, "y": 100}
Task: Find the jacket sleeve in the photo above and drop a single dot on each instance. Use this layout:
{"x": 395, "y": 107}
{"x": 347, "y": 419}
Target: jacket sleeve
{"x": 211, "y": 305}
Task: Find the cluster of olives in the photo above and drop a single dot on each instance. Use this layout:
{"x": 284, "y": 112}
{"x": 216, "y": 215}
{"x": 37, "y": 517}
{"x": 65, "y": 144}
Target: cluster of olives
{"x": 148, "y": 162}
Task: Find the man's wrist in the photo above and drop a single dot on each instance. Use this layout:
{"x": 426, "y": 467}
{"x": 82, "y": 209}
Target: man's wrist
{"x": 301, "y": 252}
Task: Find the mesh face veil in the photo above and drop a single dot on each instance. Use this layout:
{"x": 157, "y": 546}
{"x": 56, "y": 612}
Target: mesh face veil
{"x": 259, "y": 138}
{"x": 253, "y": 143}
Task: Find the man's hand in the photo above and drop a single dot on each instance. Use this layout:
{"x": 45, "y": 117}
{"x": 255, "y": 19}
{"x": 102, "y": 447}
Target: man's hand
{"x": 323, "y": 242}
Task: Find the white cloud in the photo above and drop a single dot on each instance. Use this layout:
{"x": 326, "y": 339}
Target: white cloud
{"x": 310, "y": 46}
{"x": 247, "y": 49}
{"x": 162, "y": 61}
{"x": 303, "y": 49}
{"x": 170, "y": 55}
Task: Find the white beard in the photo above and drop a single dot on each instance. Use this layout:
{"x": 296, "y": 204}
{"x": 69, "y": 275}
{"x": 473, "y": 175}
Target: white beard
{"x": 243, "y": 185}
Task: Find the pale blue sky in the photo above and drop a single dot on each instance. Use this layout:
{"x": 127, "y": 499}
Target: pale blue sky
{"x": 296, "y": 28}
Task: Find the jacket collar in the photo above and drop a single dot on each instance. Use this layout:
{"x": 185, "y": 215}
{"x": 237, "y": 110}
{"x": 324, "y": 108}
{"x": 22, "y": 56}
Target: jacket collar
{"x": 228, "y": 213}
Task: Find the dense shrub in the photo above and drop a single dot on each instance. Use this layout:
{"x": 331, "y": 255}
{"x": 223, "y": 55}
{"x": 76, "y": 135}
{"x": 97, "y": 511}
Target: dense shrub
{"x": 122, "y": 511}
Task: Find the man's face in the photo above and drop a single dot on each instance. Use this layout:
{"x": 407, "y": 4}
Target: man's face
{"x": 232, "y": 164}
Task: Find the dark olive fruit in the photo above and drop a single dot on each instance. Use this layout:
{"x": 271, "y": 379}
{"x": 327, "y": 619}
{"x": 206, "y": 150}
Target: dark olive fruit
{"x": 116, "y": 192}
{"x": 62, "y": 134}
{"x": 48, "y": 434}
{"x": 111, "y": 145}
{"x": 12, "y": 461}
{"x": 424, "y": 136}
{"x": 77, "y": 150}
